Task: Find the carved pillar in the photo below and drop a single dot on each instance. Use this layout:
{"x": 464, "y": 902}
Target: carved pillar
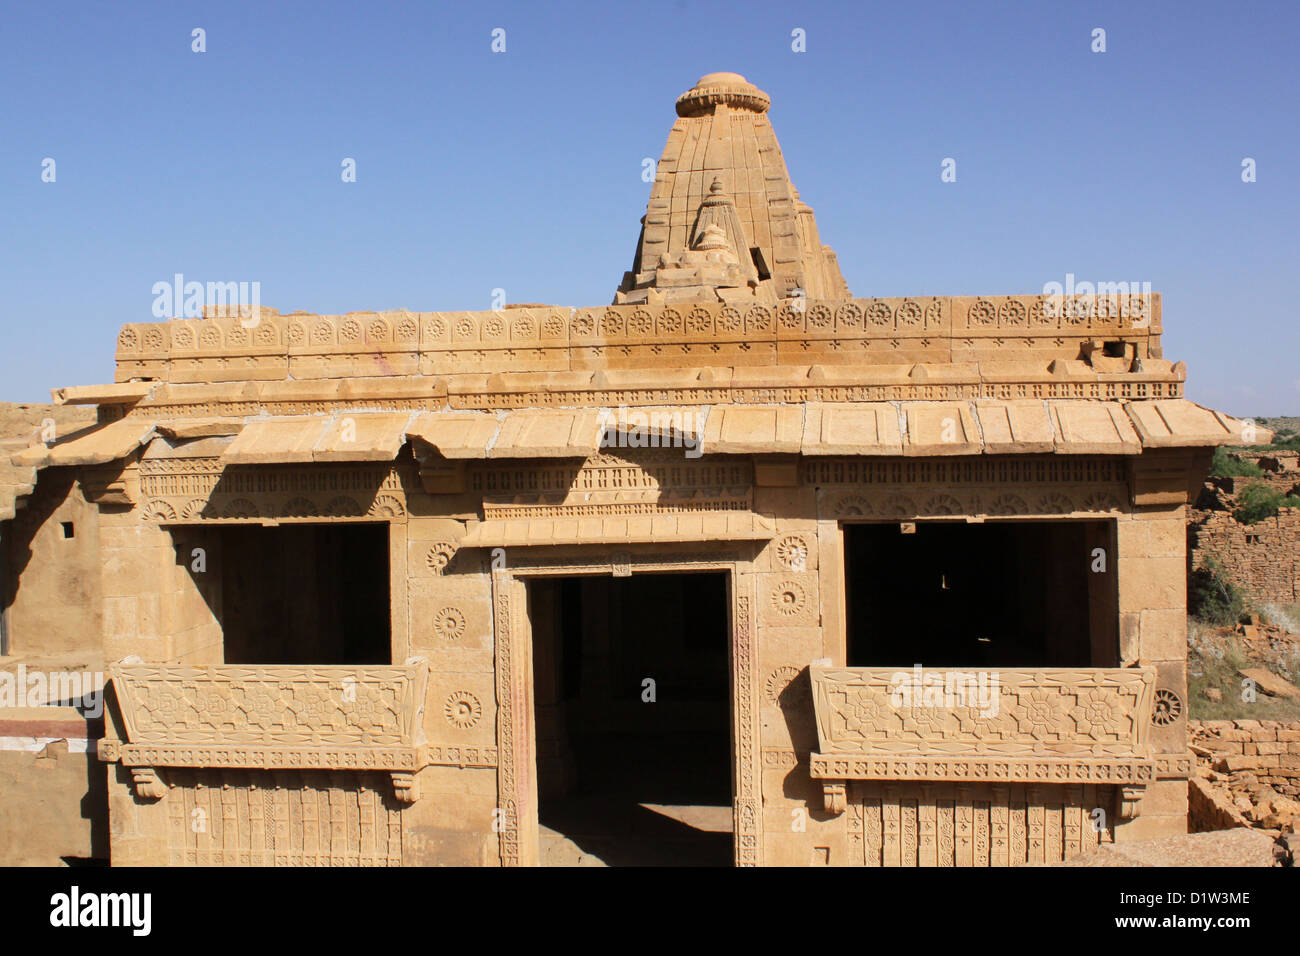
{"x": 516, "y": 814}
{"x": 748, "y": 806}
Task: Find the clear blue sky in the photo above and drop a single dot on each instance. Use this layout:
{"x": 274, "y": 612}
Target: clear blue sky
{"x": 522, "y": 170}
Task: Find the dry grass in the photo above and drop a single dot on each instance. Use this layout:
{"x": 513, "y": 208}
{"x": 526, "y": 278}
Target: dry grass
{"x": 1216, "y": 654}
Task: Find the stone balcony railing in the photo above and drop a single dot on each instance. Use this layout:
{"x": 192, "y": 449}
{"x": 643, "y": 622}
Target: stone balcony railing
{"x": 1044, "y": 726}
{"x": 366, "y": 718}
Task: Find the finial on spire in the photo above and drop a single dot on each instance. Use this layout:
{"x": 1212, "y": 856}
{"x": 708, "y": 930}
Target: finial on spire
{"x": 722, "y": 89}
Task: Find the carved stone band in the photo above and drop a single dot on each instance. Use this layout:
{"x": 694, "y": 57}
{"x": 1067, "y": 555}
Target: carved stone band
{"x": 1130, "y": 770}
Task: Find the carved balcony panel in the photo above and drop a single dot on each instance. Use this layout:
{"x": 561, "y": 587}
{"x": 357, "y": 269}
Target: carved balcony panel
{"x": 287, "y": 717}
{"x": 1044, "y": 726}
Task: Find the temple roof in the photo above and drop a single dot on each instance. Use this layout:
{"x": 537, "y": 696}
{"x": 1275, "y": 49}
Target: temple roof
{"x": 733, "y": 310}
{"x": 722, "y": 167}
{"x": 906, "y": 429}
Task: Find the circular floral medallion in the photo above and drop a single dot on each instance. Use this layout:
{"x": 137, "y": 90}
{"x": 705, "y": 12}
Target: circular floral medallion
{"x": 880, "y": 314}
{"x": 819, "y": 317}
{"x": 1168, "y": 708}
{"x": 463, "y": 709}
{"x": 792, "y": 552}
{"x": 782, "y": 681}
{"x": 983, "y": 313}
{"x": 699, "y": 321}
{"x": 789, "y": 598}
{"x": 758, "y": 319}
{"x": 849, "y": 316}
{"x": 439, "y": 556}
{"x": 909, "y": 314}
{"x": 449, "y": 623}
{"x": 729, "y": 320}
{"x": 1013, "y": 313}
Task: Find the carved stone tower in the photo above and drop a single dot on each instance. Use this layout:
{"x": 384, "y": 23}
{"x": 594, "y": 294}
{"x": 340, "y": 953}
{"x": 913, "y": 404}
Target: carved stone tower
{"x": 724, "y": 221}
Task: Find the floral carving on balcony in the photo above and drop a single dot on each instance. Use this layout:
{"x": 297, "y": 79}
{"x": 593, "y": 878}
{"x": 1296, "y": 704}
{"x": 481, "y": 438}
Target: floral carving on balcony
{"x": 1011, "y": 712}
{"x": 272, "y": 717}
{"x": 1065, "y": 725}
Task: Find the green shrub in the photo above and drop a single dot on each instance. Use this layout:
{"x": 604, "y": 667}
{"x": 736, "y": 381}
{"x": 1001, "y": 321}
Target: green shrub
{"x": 1258, "y": 502}
{"x": 1225, "y": 466}
{"x": 1212, "y": 597}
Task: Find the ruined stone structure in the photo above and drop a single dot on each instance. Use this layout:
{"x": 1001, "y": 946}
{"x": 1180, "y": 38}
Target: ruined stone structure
{"x": 457, "y": 588}
{"x": 1262, "y": 558}
{"x": 1248, "y": 775}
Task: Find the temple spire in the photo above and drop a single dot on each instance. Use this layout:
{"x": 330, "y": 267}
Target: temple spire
{"x": 722, "y": 166}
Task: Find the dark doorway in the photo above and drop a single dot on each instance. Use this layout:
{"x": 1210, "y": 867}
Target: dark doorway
{"x": 623, "y": 779}
{"x": 1010, "y": 594}
{"x": 305, "y": 594}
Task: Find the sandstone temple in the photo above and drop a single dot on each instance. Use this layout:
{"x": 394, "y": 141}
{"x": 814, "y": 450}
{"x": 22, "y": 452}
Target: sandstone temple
{"x": 737, "y": 569}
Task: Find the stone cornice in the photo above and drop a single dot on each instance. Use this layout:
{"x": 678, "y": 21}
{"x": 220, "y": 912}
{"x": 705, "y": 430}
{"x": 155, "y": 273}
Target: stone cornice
{"x": 1005, "y": 335}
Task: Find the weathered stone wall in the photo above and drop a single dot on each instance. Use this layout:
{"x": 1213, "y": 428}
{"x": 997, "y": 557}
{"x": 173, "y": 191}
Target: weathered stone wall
{"x": 1211, "y": 808}
{"x": 1269, "y": 749}
{"x": 52, "y": 571}
{"x": 53, "y": 807}
{"x": 1263, "y": 558}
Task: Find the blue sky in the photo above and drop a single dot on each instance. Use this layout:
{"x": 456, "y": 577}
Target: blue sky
{"x": 522, "y": 170}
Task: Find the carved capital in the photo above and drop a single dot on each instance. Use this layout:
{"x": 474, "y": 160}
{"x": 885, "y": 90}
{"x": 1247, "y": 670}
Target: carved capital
{"x": 106, "y": 485}
{"x": 1130, "y": 802}
{"x": 835, "y": 796}
{"x": 148, "y": 785}
{"x": 405, "y": 787}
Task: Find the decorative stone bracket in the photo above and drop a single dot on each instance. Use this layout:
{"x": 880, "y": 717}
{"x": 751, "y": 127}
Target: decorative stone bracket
{"x": 1064, "y": 726}
{"x": 105, "y": 485}
{"x": 270, "y": 718}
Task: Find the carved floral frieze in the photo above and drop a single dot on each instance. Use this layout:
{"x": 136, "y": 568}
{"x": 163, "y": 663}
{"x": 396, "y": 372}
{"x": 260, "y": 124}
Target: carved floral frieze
{"x": 1053, "y": 725}
{"x": 270, "y": 717}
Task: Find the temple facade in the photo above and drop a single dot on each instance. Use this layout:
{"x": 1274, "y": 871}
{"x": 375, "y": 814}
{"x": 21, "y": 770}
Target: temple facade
{"x": 737, "y": 569}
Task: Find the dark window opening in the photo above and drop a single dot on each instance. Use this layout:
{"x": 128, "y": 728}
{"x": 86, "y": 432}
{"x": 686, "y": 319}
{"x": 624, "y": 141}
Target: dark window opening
{"x": 1000, "y": 594}
{"x": 760, "y": 262}
{"x": 304, "y": 594}
{"x": 1115, "y": 349}
{"x": 68, "y": 530}
{"x": 620, "y": 778}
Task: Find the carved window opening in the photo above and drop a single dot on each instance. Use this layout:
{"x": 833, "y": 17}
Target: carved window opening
{"x": 633, "y": 773}
{"x": 296, "y": 594}
{"x": 997, "y": 594}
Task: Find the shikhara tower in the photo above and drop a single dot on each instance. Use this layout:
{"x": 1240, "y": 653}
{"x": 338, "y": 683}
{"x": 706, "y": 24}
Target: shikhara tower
{"x": 724, "y": 222}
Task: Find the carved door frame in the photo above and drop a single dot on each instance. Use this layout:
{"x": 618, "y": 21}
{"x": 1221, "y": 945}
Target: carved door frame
{"x": 516, "y": 733}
